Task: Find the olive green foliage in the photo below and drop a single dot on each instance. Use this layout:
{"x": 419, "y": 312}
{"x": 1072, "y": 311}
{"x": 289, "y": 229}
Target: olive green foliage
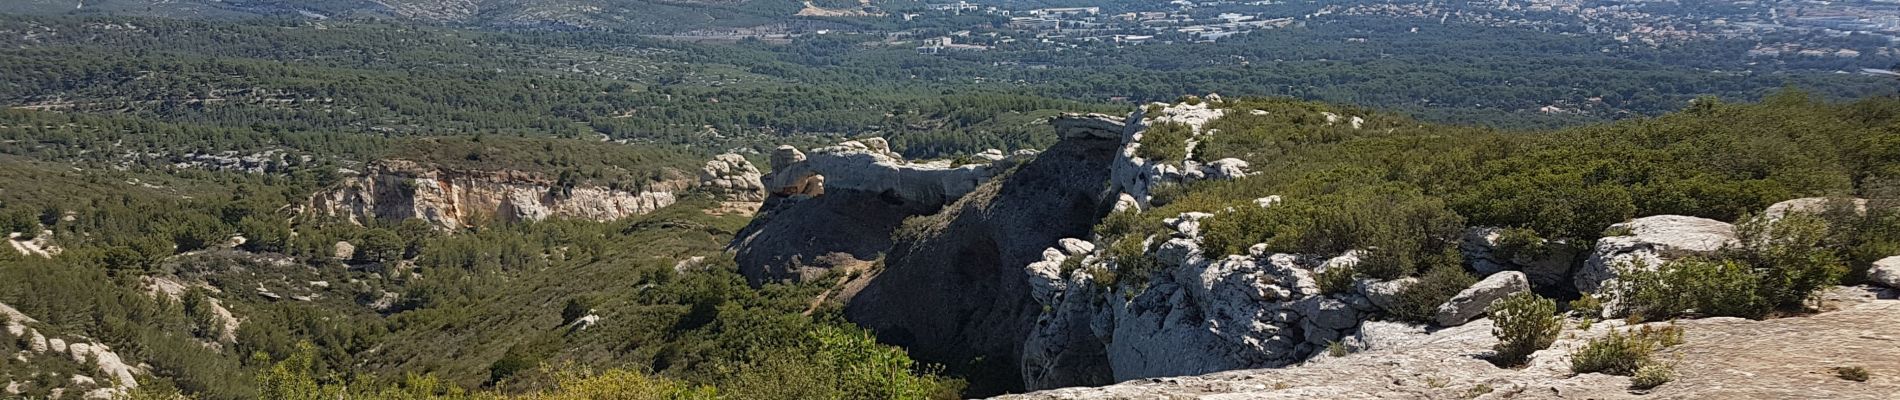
{"x": 1420, "y": 301}
{"x": 1723, "y": 287}
{"x": 1652, "y": 375}
{"x": 1587, "y": 306}
{"x": 1789, "y": 256}
{"x": 1856, "y": 373}
{"x": 1165, "y": 142}
{"x": 1133, "y": 263}
{"x": 1624, "y": 353}
{"x": 1516, "y": 243}
{"x": 1523, "y": 323}
{"x": 1337, "y": 279}
{"x": 1400, "y": 228}
{"x": 1778, "y": 265}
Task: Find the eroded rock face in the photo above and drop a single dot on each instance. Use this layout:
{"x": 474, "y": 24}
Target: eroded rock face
{"x": 838, "y": 205}
{"x": 1548, "y": 267}
{"x": 1813, "y": 205}
{"x": 731, "y": 177}
{"x": 1198, "y": 315}
{"x": 1652, "y": 241}
{"x": 956, "y": 291}
{"x": 450, "y": 199}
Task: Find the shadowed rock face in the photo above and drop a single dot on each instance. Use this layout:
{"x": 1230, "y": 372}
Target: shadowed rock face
{"x": 796, "y": 239}
{"x": 956, "y": 294}
{"x": 837, "y": 207}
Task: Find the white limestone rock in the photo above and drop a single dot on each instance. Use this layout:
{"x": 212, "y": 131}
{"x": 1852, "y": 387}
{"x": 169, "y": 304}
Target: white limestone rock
{"x": 1812, "y": 205}
{"x": 1473, "y": 301}
{"x": 1226, "y": 168}
{"x": 1383, "y": 294}
{"x": 732, "y": 178}
{"x": 1886, "y": 272}
{"x": 1652, "y": 241}
{"x": 1076, "y": 247}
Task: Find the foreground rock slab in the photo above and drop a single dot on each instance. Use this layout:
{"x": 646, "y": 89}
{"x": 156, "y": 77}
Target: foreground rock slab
{"x": 1722, "y": 358}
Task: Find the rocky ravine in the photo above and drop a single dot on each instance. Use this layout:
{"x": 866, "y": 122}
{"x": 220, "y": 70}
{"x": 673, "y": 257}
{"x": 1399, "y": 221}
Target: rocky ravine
{"x": 990, "y": 271}
{"x": 451, "y": 199}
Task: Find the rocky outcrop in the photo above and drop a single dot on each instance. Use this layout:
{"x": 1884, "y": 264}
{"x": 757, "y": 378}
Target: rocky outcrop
{"x": 1650, "y": 242}
{"x": 1720, "y": 358}
{"x": 1547, "y": 264}
{"x": 953, "y": 290}
{"x": 730, "y": 177}
{"x": 1886, "y": 272}
{"x": 1473, "y": 301}
{"x": 838, "y": 206}
{"x": 1200, "y": 314}
{"x": 452, "y": 199}
{"x": 88, "y": 354}
{"x": 1137, "y": 178}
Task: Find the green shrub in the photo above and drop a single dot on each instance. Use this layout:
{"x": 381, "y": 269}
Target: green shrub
{"x": 1690, "y": 285}
{"x": 1133, "y": 260}
{"x": 1523, "y": 323}
{"x": 1789, "y": 258}
{"x": 1857, "y": 374}
{"x": 1587, "y": 306}
{"x": 1652, "y": 375}
{"x": 1165, "y": 142}
{"x": 1778, "y": 265}
{"x": 1337, "y": 349}
{"x": 1623, "y": 353}
{"x": 1337, "y": 279}
{"x": 1420, "y": 301}
{"x": 1232, "y": 232}
{"x": 1521, "y": 243}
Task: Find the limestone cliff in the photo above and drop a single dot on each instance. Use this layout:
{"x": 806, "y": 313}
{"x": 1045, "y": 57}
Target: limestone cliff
{"x": 452, "y": 198}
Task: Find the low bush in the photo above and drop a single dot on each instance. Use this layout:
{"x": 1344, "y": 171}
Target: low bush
{"x": 1652, "y": 375}
{"x": 1335, "y": 280}
{"x": 1523, "y": 323}
{"x": 1165, "y": 142}
{"x": 1778, "y": 265}
{"x": 1623, "y": 353}
{"x": 1420, "y": 301}
{"x": 1857, "y": 374}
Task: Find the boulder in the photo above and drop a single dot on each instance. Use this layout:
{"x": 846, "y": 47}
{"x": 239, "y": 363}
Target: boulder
{"x": 786, "y": 155}
{"x": 1813, "y": 205}
{"x": 732, "y": 178}
{"x": 1886, "y": 272}
{"x": 1383, "y": 294}
{"x": 1652, "y": 241}
{"x": 1473, "y": 301}
{"x": 1075, "y": 247}
{"x": 343, "y": 251}
{"x": 1226, "y": 168}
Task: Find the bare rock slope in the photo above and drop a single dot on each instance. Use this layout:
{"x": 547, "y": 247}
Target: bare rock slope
{"x": 1721, "y": 358}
